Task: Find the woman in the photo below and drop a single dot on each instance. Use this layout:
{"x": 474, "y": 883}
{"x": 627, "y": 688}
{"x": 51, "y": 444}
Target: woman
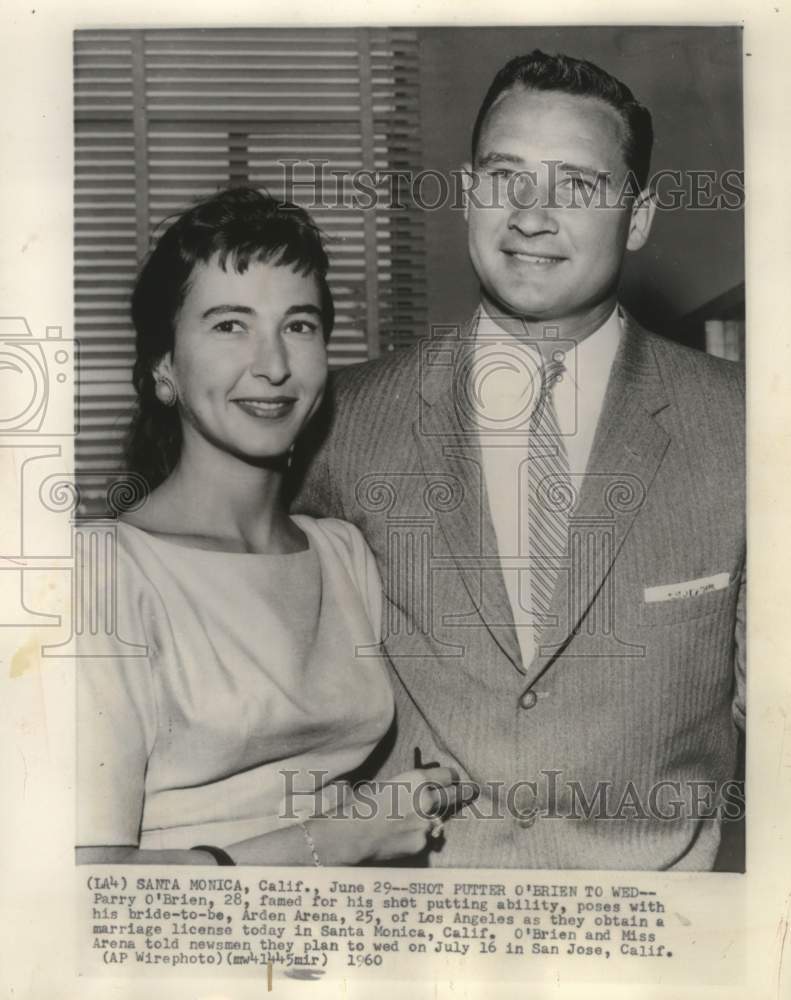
{"x": 222, "y": 742}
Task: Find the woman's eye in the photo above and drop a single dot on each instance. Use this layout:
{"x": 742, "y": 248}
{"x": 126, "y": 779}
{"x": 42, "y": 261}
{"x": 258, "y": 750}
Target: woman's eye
{"x": 229, "y": 326}
{"x": 302, "y": 326}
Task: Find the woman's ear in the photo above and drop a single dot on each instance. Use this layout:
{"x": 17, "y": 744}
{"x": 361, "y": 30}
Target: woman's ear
{"x": 165, "y": 385}
{"x": 164, "y": 367}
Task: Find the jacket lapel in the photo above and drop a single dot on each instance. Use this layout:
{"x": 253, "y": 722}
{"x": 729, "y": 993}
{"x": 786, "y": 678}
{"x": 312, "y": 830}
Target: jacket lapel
{"x": 627, "y": 451}
{"x": 446, "y": 445}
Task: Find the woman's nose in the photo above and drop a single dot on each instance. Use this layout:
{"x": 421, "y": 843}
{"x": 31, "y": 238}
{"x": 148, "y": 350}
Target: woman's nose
{"x": 270, "y": 359}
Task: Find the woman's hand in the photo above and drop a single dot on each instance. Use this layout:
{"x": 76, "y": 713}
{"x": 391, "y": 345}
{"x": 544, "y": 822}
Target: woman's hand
{"x": 383, "y": 820}
{"x": 376, "y": 821}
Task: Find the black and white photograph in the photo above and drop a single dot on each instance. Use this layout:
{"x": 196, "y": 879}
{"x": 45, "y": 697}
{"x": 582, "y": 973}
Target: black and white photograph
{"x": 388, "y": 400}
{"x": 524, "y": 476}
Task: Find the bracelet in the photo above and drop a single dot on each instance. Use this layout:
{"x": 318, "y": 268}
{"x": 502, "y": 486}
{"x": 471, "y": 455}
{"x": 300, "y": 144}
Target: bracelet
{"x": 220, "y": 856}
{"x": 311, "y": 843}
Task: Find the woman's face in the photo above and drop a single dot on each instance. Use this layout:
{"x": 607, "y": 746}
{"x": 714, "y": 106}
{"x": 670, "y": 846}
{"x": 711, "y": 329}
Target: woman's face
{"x": 249, "y": 360}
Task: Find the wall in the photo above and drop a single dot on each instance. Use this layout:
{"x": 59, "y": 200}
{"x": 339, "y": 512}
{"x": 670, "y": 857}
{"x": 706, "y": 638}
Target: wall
{"x": 690, "y": 79}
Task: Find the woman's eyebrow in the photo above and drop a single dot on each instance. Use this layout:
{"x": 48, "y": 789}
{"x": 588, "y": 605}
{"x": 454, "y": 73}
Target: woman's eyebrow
{"x": 309, "y": 307}
{"x": 213, "y": 310}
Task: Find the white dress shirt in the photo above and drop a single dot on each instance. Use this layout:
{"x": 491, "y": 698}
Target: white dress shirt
{"x": 504, "y": 383}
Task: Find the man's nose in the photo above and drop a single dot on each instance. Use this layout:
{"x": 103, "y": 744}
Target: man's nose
{"x": 270, "y": 358}
{"x": 530, "y": 207}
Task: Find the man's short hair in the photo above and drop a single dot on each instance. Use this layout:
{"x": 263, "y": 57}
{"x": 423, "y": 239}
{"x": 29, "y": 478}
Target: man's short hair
{"x": 538, "y": 71}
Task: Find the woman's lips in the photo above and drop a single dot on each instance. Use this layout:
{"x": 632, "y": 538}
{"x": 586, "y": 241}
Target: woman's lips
{"x": 267, "y": 408}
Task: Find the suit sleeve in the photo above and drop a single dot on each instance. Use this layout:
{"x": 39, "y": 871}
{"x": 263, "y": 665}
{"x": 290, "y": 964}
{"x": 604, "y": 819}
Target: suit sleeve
{"x": 740, "y": 636}
{"x": 740, "y": 656}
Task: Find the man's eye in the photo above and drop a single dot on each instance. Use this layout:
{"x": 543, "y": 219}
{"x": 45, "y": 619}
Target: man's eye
{"x": 229, "y": 326}
{"x": 575, "y": 181}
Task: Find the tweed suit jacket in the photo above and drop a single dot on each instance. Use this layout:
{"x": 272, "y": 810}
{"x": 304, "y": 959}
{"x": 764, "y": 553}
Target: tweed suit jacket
{"x": 621, "y": 754}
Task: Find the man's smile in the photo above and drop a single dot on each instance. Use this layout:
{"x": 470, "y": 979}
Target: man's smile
{"x": 534, "y": 259}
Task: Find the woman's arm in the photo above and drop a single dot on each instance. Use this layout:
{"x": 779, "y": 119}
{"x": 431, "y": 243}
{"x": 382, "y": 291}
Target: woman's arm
{"x": 281, "y": 847}
{"x": 379, "y": 827}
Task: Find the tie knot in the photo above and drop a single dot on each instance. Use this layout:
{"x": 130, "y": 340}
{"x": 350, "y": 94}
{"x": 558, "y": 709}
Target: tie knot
{"x": 552, "y": 373}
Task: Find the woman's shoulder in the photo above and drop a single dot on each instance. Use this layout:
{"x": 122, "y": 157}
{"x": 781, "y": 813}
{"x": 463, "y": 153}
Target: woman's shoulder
{"x": 341, "y": 542}
{"x": 344, "y": 537}
{"x": 143, "y": 563}
{"x": 133, "y": 545}
{"x": 121, "y": 587}
{"x": 121, "y": 544}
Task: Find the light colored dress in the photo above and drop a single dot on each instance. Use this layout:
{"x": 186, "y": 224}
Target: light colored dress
{"x": 260, "y": 669}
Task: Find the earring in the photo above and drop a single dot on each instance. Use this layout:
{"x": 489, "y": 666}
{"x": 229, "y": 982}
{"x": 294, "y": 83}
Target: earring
{"x": 165, "y": 391}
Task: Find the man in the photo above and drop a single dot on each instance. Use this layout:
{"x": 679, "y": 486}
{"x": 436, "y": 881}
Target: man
{"x": 555, "y": 500}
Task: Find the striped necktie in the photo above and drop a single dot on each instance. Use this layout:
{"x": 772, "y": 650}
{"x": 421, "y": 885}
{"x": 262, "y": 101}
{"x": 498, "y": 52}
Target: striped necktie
{"x": 548, "y": 486}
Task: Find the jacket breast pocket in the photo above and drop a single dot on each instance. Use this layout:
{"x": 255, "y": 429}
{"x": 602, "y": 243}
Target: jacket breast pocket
{"x": 670, "y": 610}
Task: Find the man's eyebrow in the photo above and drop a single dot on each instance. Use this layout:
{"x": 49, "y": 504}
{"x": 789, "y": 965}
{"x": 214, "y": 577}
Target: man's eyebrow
{"x": 495, "y": 157}
{"x": 563, "y": 165}
{"x": 581, "y": 168}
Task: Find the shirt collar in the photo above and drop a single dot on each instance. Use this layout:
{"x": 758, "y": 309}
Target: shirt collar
{"x": 609, "y": 330}
{"x": 594, "y": 354}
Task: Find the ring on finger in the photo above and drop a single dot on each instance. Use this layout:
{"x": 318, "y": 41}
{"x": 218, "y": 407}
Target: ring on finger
{"x": 436, "y": 803}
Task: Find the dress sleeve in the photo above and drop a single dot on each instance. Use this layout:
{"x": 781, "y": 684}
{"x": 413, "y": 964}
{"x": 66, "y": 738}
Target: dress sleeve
{"x": 368, "y": 579}
{"x": 358, "y": 558}
{"x": 117, "y": 722}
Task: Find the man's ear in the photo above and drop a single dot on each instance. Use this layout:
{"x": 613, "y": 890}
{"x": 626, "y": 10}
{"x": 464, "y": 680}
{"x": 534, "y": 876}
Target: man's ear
{"x": 467, "y": 185}
{"x": 641, "y": 221}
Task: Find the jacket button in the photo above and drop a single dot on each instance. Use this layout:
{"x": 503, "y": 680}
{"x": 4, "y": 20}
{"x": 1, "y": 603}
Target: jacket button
{"x": 525, "y": 822}
{"x": 528, "y": 699}
{"x": 524, "y": 807}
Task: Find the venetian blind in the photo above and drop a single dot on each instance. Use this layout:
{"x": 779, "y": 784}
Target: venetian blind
{"x": 164, "y": 117}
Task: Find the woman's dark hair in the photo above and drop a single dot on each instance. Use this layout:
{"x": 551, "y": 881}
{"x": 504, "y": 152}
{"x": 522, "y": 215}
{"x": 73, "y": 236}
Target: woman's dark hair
{"x": 241, "y": 226}
{"x": 539, "y": 71}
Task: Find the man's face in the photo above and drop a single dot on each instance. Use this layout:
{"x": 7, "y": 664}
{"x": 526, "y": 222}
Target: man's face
{"x": 539, "y": 252}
